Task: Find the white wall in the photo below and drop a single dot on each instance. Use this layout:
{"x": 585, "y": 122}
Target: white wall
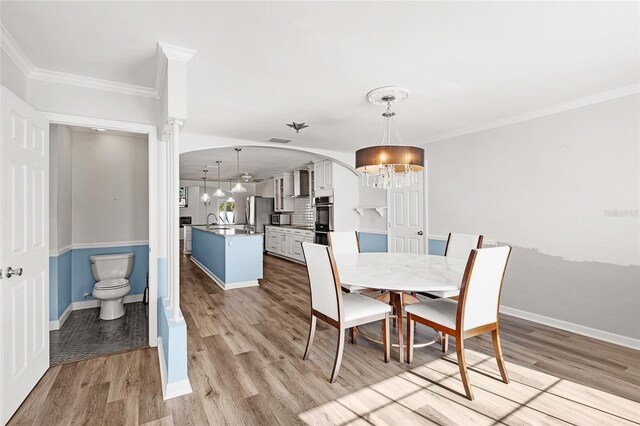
{"x": 371, "y": 221}
{"x": 11, "y": 77}
{"x": 110, "y": 188}
{"x": 65, "y": 99}
{"x": 60, "y": 194}
{"x": 548, "y": 187}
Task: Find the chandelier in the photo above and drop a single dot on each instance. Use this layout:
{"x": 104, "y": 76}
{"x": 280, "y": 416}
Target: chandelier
{"x": 205, "y": 198}
{"x": 218, "y": 192}
{"x": 388, "y": 165}
{"x": 238, "y": 188}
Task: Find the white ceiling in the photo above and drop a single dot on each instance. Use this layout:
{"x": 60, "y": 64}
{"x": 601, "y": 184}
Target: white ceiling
{"x": 261, "y": 65}
{"x": 260, "y": 162}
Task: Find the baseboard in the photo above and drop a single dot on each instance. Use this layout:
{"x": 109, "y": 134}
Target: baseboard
{"x": 222, "y": 284}
{"x": 55, "y": 325}
{"x": 170, "y": 390}
{"x": 574, "y": 328}
{"x": 88, "y": 304}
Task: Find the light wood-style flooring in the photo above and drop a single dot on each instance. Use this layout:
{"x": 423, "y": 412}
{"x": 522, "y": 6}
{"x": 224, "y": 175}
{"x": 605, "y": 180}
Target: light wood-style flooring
{"x": 245, "y": 365}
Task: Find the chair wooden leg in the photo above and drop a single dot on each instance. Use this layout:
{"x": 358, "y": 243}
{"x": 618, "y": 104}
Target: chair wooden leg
{"x": 410, "y": 334}
{"x": 398, "y": 305}
{"x": 385, "y": 338}
{"x": 395, "y": 318}
{"x": 462, "y": 365}
{"x": 444, "y": 341}
{"x": 339, "y": 351}
{"x": 497, "y": 348}
{"x": 354, "y": 334}
{"x": 312, "y": 333}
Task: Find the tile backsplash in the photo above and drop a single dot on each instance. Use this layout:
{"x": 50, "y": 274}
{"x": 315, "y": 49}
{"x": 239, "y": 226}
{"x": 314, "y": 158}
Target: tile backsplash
{"x": 302, "y": 212}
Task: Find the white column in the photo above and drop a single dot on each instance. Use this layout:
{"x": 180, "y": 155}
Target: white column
{"x": 175, "y": 222}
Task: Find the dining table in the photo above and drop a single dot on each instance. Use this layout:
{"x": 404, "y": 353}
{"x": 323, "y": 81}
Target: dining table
{"x": 399, "y": 275}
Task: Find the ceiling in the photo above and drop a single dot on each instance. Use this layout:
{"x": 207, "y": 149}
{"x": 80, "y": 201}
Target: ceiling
{"x": 263, "y": 64}
{"x": 260, "y": 162}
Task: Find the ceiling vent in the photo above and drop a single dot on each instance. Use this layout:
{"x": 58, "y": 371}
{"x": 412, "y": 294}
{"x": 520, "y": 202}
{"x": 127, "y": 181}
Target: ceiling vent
{"x": 279, "y": 140}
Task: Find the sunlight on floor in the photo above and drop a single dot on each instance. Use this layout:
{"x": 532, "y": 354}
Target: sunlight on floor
{"x": 433, "y": 393}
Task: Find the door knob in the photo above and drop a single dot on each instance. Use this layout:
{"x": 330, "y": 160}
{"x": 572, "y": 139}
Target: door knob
{"x": 11, "y": 272}
{"x": 420, "y": 232}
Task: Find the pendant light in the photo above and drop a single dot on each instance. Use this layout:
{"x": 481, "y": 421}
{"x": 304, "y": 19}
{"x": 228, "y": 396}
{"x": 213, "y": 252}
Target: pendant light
{"x": 389, "y": 165}
{"x": 218, "y": 192}
{"x": 205, "y": 198}
{"x": 238, "y": 187}
{"x": 230, "y": 199}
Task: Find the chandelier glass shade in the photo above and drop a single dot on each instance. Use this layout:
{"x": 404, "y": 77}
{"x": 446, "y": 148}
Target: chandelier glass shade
{"x": 230, "y": 199}
{"x": 205, "y": 197}
{"x": 238, "y": 188}
{"x": 389, "y": 165}
{"x": 219, "y": 193}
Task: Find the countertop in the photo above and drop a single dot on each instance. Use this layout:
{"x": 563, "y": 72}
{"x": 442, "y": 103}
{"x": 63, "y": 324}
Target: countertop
{"x": 304, "y": 228}
{"x": 225, "y": 231}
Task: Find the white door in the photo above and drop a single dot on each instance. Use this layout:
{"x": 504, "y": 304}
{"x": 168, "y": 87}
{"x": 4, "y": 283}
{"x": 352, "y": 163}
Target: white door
{"x": 406, "y": 218}
{"x": 24, "y": 243}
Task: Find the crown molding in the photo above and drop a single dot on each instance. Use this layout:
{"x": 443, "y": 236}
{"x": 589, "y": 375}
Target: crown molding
{"x": 9, "y": 45}
{"x": 553, "y": 109}
{"x": 16, "y": 54}
{"x": 93, "y": 83}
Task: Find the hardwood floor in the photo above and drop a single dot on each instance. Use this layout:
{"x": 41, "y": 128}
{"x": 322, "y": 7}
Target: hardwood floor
{"x": 245, "y": 365}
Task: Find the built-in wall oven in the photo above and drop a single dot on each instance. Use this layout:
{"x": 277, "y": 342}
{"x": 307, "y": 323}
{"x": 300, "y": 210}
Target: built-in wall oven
{"x": 323, "y": 213}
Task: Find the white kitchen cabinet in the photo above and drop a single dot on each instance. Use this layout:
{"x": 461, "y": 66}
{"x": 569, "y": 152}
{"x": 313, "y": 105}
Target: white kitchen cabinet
{"x": 283, "y": 193}
{"x": 287, "y": 242}
{"x": 323, "y": 177}
{"x": 328, "y": 174}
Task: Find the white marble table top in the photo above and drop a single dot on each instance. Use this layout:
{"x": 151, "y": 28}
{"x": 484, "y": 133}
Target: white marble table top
{"x": 400, "y": 271}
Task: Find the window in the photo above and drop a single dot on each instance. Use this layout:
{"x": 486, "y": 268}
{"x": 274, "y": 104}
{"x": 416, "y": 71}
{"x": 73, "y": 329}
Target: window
{"x": 227, "y": 211}
{"x": 182, "y": 197}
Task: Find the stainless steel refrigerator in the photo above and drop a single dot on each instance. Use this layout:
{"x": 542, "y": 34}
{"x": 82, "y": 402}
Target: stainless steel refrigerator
{"x": 258, "y": 212}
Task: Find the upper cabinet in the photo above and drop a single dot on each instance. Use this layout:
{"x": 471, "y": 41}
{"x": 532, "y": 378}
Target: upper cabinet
{"x": 283, "y": 191}
{"x": 323, "y": 177}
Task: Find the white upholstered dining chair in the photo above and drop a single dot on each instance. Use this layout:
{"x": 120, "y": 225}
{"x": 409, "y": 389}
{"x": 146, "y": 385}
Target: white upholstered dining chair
{"x": 475, "y": 312}
{"x": 346, "y": 242}
{"x": 458, "y": 247}
{"x": 342, "y": 311}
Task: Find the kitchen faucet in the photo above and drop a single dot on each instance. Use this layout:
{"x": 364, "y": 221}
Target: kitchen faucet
{"x": 214, "y": 215}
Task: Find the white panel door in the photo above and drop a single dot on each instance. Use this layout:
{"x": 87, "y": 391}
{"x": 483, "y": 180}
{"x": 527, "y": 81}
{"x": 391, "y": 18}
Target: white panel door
{"x": 24, "y": 243}
{"x": 406, "y": 218}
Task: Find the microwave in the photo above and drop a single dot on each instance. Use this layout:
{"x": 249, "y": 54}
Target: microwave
{"x": 280, "y": 219}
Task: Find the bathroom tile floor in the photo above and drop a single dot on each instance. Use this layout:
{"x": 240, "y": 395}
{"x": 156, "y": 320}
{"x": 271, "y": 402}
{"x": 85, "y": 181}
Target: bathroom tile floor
{"x": 84, "y": 335}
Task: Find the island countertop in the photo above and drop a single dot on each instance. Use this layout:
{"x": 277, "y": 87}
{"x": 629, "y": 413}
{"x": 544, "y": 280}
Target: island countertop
{"x": 226, "y": 231}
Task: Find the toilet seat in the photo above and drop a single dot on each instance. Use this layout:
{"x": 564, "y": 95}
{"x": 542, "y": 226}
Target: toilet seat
{"x": 112, "y": 284}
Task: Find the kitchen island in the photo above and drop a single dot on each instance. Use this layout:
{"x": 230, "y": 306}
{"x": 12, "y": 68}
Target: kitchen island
{"x": 231, "y": 257}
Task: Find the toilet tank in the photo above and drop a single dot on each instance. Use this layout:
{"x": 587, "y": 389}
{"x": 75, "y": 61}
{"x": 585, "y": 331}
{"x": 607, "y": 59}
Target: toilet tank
{"x": 110, "y": 266}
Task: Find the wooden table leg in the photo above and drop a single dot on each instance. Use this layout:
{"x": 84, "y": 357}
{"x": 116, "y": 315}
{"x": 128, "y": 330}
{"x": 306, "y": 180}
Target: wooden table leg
{"x": 397, "y": 301}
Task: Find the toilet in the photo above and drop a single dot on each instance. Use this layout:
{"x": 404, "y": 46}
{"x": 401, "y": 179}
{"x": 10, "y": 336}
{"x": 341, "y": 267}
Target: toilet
{"x": 111, "y": 272}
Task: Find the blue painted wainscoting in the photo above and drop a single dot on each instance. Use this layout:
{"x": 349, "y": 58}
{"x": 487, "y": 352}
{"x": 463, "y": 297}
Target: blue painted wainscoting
{"x": 436, "y": 247}
{"x": 59, "y": 284}
{"x": 377, "y": 242}
{"x": 172, "y": 337}
{"x": 372, "y": 242}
